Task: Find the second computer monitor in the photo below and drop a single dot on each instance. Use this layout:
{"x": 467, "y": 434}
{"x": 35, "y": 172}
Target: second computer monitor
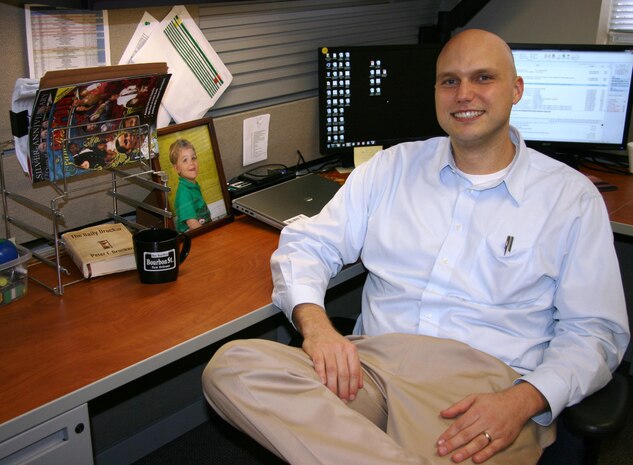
{"x": 376, "y": 95}
{"x": 576, "y": 97}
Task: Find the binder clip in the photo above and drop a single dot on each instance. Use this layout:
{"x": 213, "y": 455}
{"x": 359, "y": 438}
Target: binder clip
{"x": 19, "y": 123}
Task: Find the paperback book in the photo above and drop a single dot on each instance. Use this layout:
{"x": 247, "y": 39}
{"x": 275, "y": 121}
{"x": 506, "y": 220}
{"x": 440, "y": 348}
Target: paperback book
{"x": 100, "y": 250}
{"x": 94, "y": 124}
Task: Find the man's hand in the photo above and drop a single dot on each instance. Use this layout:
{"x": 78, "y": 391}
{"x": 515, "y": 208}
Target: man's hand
{"x": 335, "y": 358}
{"x": 501, "y": 415}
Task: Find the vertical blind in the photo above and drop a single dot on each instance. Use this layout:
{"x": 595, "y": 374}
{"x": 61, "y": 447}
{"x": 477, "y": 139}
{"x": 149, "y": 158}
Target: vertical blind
{"x": 621, "y": 22}
{"x": 270, "y": 47}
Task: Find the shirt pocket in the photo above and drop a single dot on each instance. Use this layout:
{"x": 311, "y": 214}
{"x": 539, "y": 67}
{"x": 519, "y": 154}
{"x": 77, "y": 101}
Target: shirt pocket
{"x": 511, "y": 274}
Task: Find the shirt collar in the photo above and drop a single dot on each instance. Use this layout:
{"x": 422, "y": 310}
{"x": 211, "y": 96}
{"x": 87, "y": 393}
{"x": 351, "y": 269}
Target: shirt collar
{"x": 187, "y": 182}
{"x": 514, "y": 181}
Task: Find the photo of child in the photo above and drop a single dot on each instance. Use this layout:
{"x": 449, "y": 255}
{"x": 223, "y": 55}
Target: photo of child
{"x": 189, "y": 163}
{"x": 191, "y": 209}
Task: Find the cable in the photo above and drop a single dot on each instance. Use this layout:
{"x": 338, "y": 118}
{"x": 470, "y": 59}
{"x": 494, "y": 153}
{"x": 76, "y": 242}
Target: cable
{"x": 326, "y": 166}
{"x": 302, "y": 161}
{"x": 273, "y": 168}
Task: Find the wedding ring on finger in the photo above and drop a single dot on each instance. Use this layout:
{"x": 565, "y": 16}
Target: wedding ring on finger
{"x": 487, "y": 435}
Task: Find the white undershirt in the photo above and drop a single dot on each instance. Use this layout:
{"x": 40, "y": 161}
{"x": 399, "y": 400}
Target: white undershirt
{"x": 485, "y": 179}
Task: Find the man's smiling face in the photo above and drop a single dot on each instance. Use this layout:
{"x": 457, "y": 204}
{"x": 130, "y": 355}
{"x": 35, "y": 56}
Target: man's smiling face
{"x": 476, "y": 87}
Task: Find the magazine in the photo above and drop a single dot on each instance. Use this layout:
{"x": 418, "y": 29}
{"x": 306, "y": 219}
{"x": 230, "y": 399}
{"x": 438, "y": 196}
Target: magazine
{"x": 94, "y": 125}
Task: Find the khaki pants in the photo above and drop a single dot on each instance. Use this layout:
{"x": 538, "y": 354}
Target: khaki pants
{"x": 271, "y": 392}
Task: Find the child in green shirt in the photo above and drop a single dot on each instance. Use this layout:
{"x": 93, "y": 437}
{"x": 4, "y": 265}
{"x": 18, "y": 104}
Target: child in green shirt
{"x": 191, "y": 210}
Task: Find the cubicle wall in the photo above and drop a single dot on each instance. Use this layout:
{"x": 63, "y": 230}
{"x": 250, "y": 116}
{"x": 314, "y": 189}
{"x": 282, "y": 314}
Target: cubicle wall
{"x": 294, "y": 125}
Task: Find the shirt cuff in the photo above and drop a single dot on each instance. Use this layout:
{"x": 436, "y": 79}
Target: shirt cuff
{"x": 553, "y": 389}
{"x": 296, "y": 295}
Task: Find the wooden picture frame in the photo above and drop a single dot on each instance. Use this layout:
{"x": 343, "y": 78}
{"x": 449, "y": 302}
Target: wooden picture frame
{"x": 198, "y": 135}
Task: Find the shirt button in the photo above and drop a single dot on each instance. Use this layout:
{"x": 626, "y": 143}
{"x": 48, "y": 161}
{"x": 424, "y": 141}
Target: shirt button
{"x": 445, "y": 261}
{"x": 428, "y": 316}
{"x": 458, "y": 227}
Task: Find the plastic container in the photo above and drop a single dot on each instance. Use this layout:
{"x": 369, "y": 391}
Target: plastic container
{"x": 14, "y": 277}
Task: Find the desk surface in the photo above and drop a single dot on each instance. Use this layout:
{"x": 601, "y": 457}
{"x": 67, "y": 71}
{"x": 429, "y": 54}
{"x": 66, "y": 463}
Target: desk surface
{"x": 59, "y": 352}
{"x": 619, "y": 202}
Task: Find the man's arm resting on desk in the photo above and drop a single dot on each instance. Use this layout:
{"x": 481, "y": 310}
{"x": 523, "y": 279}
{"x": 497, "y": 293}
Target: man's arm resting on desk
{"x": 335, "y": 358}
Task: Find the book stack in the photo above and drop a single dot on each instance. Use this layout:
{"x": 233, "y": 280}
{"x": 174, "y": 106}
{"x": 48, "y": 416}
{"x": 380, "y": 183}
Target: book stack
{"x": 89, "y": 119}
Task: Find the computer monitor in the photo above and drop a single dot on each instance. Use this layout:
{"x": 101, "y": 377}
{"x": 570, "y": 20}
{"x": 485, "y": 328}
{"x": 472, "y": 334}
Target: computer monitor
{"x": 577, "y": 98}
{"x": 376, "y": 95}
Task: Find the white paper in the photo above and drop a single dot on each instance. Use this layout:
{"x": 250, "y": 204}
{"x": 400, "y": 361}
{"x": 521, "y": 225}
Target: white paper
{"x": 58, "y": 38}
{"x": 23, "y": 99}
{"x": 199, "y": 77}
{"x": 144, "y": 30}
{"x": 363, "y": 154}
{"x": 255, "y": 139}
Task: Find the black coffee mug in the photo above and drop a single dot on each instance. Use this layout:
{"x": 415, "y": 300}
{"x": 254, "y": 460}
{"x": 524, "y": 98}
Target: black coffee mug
{"x": 159, "y": 252}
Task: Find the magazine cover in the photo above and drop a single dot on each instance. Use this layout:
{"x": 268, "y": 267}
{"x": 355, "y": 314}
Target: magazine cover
{"x": 94, "y": 126}
{"x": 38, "y": 135}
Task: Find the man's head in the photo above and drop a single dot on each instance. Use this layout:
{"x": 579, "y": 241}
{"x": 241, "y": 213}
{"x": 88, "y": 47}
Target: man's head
{"x": 475, "y": 89}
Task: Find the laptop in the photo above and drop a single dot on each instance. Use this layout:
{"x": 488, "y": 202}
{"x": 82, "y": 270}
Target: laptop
{"x": 284, "y": 203}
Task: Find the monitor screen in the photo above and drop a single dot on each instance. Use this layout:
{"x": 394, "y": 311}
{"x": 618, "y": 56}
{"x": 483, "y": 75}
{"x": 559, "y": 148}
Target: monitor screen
{"x": 576, "y": 96}
{"x": 376, "y": 95}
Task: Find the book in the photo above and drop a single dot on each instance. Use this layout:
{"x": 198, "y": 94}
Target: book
{"x": 100, "y": 250}
{"x": 91, "y": 119}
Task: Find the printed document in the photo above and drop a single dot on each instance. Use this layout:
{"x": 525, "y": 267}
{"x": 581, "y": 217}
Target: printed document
{"x": 199, "y": 77}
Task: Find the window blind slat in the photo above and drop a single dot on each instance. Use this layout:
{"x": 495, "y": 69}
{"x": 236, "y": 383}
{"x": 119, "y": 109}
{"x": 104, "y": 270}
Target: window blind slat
{"x": 273, "y": 90}
{"x": 621, "y": 38}
{"x": 354, "y": 14}
{"x": 241, "y": 34}
{"x": 270, "y": 46}
{"x": 271, "y": 5}
{"x": 312, "y": 35}
{"x": 286, "y": 72}
{"x": 621, "y": 17}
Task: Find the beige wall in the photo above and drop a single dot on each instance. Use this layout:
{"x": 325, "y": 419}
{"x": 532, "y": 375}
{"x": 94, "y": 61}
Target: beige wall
{"x": 14, "y": 59}
{"x": 293, "y": 125}
{"x": 546, "y": 21}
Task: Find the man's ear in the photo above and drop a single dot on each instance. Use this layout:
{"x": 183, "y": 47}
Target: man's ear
{"x": 518, "y": 89}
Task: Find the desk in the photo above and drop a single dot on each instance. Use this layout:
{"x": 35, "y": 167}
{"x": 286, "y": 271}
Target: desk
{"x": 60, "y": 352}
{"x": 57, "y": 353}
{"x": 619, "y": 202}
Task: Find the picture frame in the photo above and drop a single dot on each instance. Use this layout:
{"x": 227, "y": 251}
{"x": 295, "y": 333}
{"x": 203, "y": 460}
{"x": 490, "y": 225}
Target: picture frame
{"x": 194, "y": 136}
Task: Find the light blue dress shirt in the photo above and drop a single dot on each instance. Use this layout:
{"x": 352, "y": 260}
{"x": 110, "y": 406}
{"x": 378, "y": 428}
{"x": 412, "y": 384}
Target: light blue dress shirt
{"x": 551, "y": 305}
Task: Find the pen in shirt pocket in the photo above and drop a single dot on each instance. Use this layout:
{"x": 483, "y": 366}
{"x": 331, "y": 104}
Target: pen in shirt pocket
{"x": 508, "y": 245}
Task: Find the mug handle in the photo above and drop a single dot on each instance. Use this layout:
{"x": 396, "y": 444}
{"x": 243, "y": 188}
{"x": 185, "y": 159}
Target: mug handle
{"x": 186, "y": 246}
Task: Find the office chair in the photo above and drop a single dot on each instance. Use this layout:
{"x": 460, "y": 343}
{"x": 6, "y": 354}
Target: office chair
{"x": 580, "y": 429}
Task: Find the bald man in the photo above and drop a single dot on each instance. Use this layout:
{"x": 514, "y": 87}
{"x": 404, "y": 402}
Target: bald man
{"x": 481, "y": 316}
